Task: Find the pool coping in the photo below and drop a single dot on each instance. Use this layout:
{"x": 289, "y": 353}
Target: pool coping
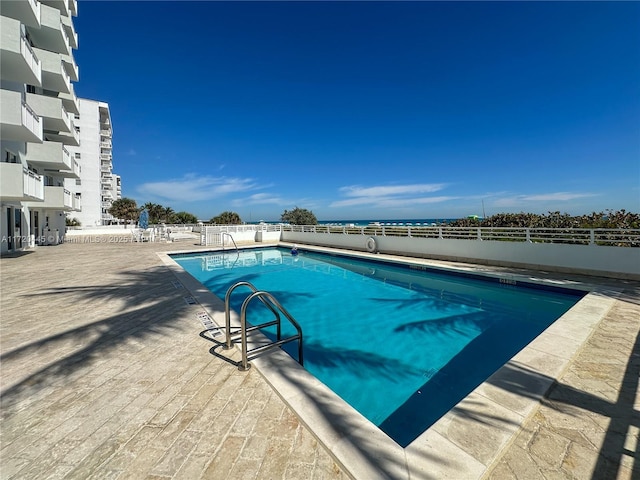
{"x": 467, "y": 440}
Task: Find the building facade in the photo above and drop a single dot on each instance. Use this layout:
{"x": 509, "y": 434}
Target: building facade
{"x": 98, "y": 186}
{"x": 37, "y": 128}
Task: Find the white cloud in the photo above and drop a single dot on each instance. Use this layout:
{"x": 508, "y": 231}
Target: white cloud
{"x": 193, "y": 188}
{"x": 260, "y": 199}
{"x": 520, "y": 200}
{"x": 391, "y": 196}
{"x": 384, "y": 190}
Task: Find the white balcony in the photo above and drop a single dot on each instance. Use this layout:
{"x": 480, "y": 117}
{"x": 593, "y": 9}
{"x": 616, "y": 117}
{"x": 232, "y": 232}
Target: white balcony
{"x": 28, "y": 12}
{"x": 53, "y": 157}
{"x": 19, "y": 184}
{"x": 18, "y": 61}
{"x": 105, "y": 133}
{"x": 61, "y": 5}
{"x": 70, "y": 66}
{"x": 73, "y": 8}
{"x": 70, "y": 139}
{"x": 53, "y": 113}
{"x": 18, "y": 121}
{"x": 51, "y": 35}
{"x": 105, "y": 144}
{"x": 105, "y": 157}
{"x": 70, "y": 101}
{"x": 76, "y": 203}
{"x": 54, "y": 75}
{"x": 55, "y": 198}
{"x": 70, "y": 30}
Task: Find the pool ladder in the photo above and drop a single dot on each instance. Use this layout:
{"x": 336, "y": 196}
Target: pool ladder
{"x": 272, "y": 304}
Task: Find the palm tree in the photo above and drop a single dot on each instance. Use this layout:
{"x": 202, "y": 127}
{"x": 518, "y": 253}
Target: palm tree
{"x": 168, "y": 215}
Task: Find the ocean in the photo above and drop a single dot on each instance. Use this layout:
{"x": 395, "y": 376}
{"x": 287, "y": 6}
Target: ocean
{"x": 403, "y": 222}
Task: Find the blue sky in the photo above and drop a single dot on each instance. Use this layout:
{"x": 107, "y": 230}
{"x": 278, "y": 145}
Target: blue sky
{"x": 369, "y": 110}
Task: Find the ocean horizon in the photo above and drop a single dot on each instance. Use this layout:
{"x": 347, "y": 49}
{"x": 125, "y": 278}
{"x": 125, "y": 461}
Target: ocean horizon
{"x": 403, "y": 222}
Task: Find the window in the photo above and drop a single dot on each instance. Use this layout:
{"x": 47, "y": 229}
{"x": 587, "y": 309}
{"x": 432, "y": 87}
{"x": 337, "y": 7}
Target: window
{"x": 10, "y": 157}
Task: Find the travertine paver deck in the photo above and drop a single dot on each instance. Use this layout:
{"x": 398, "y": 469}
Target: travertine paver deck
{"x": 104, "y": 375}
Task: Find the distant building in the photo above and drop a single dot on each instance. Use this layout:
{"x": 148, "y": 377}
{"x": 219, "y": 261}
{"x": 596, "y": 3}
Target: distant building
{"x": 37, "y": 121}
{"x": 97, "y": 186}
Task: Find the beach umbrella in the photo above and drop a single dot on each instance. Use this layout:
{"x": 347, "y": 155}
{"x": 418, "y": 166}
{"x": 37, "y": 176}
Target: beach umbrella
{"x": 143, "y": 221}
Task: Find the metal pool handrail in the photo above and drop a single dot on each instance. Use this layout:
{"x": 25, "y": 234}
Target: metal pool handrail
{"x": 281, "y": 341}
{"x": 227, "y": 312}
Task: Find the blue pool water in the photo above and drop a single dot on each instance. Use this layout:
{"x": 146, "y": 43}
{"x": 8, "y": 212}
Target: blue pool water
{"x": 401, "y": 344}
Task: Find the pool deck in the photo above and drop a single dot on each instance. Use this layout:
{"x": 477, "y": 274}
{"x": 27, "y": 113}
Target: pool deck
{"x": 104, "y": 373}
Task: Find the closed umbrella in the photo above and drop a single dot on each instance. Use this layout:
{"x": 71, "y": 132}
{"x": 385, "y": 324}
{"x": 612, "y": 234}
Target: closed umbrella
{"x": 143, "y": 221}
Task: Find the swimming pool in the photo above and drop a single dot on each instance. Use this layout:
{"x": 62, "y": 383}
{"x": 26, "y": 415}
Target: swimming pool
{"x": 399, "y": 343}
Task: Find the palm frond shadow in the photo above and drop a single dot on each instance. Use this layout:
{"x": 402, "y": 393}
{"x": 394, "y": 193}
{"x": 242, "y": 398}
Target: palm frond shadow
{"x": 357, "y": 361}
{"x": 456, "y": 324}
{"x": 150, "y": 303}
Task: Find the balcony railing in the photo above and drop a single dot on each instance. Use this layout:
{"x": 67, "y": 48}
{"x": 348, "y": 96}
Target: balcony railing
{"x": 30, "y": 119}
{"x": 33, "y": 185}
{"x": 30, "y": 56}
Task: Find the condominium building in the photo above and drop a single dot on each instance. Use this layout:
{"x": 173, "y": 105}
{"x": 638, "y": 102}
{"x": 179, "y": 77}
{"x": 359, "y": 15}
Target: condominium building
{"x": 37, "y": 127}
{"x": 97, "y": 186}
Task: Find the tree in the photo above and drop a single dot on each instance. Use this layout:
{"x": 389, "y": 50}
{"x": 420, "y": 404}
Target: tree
{"x": 155, "y": 211}
{"x": 185, "y": 217}
{"x": 168, "y": 215}
{"x": 125, "y": 209}
{"x": 299, "y": 216}
{"x": 227, "y": 218}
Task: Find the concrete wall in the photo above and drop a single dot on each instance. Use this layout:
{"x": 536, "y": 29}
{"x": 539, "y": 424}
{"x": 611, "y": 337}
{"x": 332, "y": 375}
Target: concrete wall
{"x": 615, "y": 262}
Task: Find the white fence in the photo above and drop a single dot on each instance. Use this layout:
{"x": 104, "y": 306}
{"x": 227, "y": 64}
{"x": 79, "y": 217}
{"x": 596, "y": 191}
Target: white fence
{"x": 607, "y": 252}
{"x": 227, "y": 235}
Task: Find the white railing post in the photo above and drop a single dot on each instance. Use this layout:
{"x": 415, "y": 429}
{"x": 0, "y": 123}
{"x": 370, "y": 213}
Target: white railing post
{"x": 592, "y": 237}
{"x": 527, "y": 235}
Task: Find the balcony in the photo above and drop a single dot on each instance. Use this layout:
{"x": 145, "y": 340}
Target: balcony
{"x": 27, "y": 12}
{"x": 61, "y": 5}
{"x": 76, "y": 203}
{"x": 71, "y": 139}
{"x": 105, "y": 157}
{"x": 70, "y": 66}
{"x": 70, "y": 101}
{"x": 73, "y": 7}
{"x": 51, "y": 35}
{"x": 18, "y": 61}
{"x": 105, "y": 133}
{"x": 18, "y": 121}
{"x": 105, "y": 144}
{"x": 53, "y": 157}
{"x": 55, "y": 198}
{"x": 53, "y": 113}
{"x": 70, "y": 31}
{"x": 18, "y": 184}
{"x": 54, "y": 75}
